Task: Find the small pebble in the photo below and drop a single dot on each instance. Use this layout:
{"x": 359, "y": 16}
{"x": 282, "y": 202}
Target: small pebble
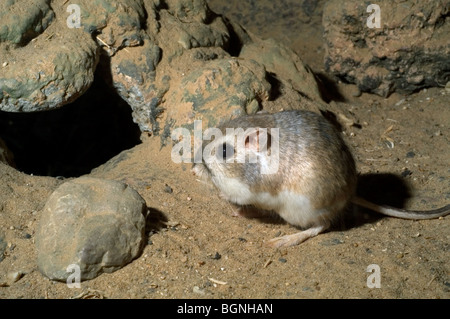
{"x": 15, "y": 276}
{"x": 282, "y": 260}
{"x": 11, "y": 246}
{"x": 410, "y": 154}
{"x": 400, "y": 102}
{"x": 217, "y": 256}
{"x": 168, "y": 189}
{"x": 406, "y": 173}
{"x": 357, "y": 92}
{"x": 172, "y": 223}
{"x": 198, "y": 290}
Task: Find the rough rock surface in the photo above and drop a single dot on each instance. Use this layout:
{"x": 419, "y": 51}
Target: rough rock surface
{"x": 22, "y": 23}
{"x": 236, "y": 85}
{"x": 149, "y": 51}
{"x": 93, "y": 223}
{"x": 408, "y": 52}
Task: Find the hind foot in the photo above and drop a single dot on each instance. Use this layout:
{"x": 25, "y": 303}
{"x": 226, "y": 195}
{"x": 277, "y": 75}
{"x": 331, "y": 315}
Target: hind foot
{"x": 295, "y": 239}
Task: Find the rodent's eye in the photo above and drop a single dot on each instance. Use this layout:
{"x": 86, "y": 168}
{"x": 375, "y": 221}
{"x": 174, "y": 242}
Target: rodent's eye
{"x": 226, "y": 152}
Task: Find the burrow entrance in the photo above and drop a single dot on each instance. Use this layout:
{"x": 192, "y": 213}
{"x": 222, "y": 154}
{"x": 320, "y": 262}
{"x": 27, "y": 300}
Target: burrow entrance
{"x": 74, "y": 139}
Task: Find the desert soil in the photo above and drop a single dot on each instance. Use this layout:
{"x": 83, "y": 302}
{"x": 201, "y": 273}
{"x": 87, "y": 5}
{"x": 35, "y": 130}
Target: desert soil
{"x": 197, "y": 249}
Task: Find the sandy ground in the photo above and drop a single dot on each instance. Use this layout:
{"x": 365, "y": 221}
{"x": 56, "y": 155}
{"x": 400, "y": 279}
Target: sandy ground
{"x": 197, "y": 249}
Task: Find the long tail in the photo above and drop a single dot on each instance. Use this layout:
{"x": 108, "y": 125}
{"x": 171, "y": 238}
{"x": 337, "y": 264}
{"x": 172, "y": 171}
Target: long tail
{"x": 402, "y": 213}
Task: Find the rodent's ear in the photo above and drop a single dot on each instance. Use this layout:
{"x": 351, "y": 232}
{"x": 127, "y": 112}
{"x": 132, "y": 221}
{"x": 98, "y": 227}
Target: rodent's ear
{"x": 258, "y": 140}
{"x": 251, "y": 141}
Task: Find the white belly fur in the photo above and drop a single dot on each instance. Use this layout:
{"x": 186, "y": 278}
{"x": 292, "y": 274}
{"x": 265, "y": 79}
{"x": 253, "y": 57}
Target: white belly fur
{"x": 292, "y": 207}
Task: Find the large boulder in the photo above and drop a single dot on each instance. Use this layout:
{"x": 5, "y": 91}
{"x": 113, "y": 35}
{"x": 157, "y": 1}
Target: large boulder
{"x": 94, "y": 224}
{"x": 409, "y": 51}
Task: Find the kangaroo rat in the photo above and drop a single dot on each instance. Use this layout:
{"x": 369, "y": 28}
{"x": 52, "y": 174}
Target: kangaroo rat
{"x": 294, "y": 163}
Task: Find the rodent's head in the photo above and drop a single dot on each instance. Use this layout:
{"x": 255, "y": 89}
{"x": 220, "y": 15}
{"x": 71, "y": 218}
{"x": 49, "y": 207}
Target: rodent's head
{"x": 238, "y": 156}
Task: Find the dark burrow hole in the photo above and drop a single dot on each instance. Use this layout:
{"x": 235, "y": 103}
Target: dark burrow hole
{"x": 74, "y": 139}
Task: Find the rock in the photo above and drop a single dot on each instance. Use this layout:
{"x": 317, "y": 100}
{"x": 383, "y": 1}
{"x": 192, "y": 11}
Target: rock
{"x": 221, "y": 88}
{"x": 18, "y": 26}
{"x": 93, "y": 223}
{"x": 143, "y": 76}
{"x": 133, "y": 75}
{"x": 57, "y": 62}
{"x": 198, "y": 290}
{"x": 283, "y": 62}
{"x": 408, "y": 52}
{"x": 48, "y": 79}
{"x": 153, "y": 54}
{"x": 117, "y": 24}
{"x": 14, "y": 276}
